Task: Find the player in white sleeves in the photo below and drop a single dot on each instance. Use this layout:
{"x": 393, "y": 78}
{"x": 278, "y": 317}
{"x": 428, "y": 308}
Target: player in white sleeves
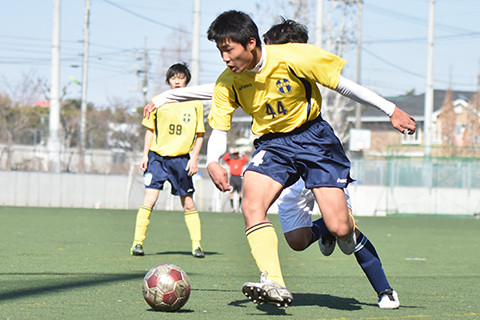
{"x": 295, "y": 207}
{"x": 295, "y": 203}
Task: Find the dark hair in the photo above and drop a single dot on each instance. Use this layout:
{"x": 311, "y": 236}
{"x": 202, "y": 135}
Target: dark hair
{"x": 234, "y": 25}
{"x": 285, "y": 32}
{"x": 178, "y": 68}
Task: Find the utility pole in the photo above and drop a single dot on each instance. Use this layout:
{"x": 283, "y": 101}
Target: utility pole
{"x": 427, "y": 125}
{"x": 195, "y": 42}
{"x": 83, "y": 105}
{"x": 145, "y": 74}
{"x": 53, "y": 146}
{"x": 478, "y": 76}
{"x": 319, "y": 24}
{"x": 358, "y": 107}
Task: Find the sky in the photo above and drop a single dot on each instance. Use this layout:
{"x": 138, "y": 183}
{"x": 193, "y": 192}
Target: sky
{"x": 393, "y": 56}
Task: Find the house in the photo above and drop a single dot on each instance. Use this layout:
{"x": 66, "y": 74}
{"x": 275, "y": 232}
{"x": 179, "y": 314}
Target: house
{"x": 383, "y": 137}
{"x": 376, "y": 126}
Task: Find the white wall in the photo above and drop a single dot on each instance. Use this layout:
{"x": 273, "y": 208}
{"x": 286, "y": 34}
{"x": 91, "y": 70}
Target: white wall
{"x": 39, "y": 189}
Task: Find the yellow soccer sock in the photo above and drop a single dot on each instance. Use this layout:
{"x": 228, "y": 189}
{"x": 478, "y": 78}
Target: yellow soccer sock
{"x": 192, "y": 220}
{"x": 263, "y": 242}
{"x": 143, "y": 220}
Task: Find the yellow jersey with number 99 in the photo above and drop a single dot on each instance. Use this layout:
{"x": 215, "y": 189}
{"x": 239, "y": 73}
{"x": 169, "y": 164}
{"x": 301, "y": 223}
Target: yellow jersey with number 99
{"x": 283, "y": 95}
{"x": 175, "y": 126}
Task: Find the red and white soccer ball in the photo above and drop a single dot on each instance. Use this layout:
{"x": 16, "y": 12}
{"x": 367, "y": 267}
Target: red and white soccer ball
{"x": 166, "y": 287}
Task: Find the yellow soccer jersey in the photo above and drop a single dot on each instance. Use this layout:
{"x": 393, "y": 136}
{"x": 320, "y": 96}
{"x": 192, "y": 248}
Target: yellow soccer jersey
{"x": 283, "y": 95}
{"x": 175, "y": 126}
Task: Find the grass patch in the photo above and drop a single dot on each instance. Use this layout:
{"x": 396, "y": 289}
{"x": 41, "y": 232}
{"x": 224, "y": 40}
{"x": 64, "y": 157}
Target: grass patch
{"x": 75, "y": 264}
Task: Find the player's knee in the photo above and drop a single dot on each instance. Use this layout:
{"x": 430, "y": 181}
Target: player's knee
{"x": 342, "y": 230}
{"x": 297, "y": 246}
{"x": 297, "y": 241}
{"x": 249, "y": 206}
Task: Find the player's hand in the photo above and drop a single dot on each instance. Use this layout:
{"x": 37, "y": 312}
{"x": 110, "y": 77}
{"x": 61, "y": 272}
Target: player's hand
{"x": 144, "y": 163}
{"x": 148, "y": 109}
{"x": 191, "y": 167}
{"x": 219, "y": 176}
{"x": 402, "y": 121}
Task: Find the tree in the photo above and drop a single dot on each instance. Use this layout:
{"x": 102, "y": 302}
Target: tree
{"x": 16, "y": 104}
{"x": 447, "y": 119}
{"x": 177, "y": 50}
{"x": 471, "y": 134}
{"x": 125, "y": 137}
{"x": 340, "y": 36}
{"x": 97, "y": 129}
{"x": 70, "y": 122}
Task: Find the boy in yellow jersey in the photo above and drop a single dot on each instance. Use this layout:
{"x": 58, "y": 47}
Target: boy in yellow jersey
{"x": 172, "y": 132}
{"x": 276, "y": 85}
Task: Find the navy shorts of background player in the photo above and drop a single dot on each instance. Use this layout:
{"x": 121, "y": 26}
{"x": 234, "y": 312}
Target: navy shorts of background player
{"x": 171, "y": 169}
{"x": 312, "y": 152}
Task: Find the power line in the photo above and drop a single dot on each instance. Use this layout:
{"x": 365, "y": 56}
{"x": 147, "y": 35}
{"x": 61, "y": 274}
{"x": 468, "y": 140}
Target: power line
{"x": 145, "y": 18}
{"x": 393, "y": 65}
{"x": 399, "y": 68}
{"x": 421, "y": 21}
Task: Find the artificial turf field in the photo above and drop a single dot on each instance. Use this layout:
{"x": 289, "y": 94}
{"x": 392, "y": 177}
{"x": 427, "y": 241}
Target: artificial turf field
{"x": 75, "y": 264}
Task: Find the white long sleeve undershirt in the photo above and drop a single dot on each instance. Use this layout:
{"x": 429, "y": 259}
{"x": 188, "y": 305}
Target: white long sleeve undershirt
{"x": 363, "y": 95}
{"x": 345, "y": 87}
{"x": 200, "y": 92}
{"x": 217, "y": 145}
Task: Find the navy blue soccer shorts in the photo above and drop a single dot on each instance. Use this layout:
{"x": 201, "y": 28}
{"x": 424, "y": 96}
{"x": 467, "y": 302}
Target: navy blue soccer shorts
{"x": 312, "y": 152}
{"x": 171, "y": 169}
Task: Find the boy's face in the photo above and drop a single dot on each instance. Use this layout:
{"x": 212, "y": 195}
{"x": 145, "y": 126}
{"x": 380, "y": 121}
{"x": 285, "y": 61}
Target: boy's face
{"x": 236, "y": 57}
{"x": 179, "y": 80}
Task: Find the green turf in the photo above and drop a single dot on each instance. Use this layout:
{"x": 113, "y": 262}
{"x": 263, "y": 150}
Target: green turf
{"x": 75, "y": 264}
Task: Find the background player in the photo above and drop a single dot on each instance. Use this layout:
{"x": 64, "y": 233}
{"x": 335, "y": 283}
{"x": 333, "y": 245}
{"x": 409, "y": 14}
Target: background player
{"x": 235, "y": 166}
{"x": 172, "y": 132}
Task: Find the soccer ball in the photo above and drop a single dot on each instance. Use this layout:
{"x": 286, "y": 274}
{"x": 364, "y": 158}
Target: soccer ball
{"x": 166, "y": 287}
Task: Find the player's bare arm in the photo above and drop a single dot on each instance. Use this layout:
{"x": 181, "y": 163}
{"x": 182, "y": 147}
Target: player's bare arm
{"x": 192, "y": 165}
{"x": 146, "y": 148}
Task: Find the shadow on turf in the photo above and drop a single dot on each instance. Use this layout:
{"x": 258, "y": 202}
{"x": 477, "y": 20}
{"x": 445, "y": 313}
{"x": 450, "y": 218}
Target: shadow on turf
{"x": 327, "y": 301}
{"x": 308, "y": 299}
{"x": 182, "y": 253}
{"x": 87, "y": 279}
{"x": 178, "y": 311}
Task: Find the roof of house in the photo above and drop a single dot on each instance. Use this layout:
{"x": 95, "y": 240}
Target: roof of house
{"x": 415, "y": 104}
{"x": 412, "y": 104}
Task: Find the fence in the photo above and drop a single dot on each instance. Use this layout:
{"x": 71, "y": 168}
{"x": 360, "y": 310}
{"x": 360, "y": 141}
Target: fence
{"x": 418, "y": 185}
{"x": 392, "y": 185}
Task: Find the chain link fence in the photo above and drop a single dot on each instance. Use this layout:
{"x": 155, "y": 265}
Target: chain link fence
{"x": 396, "y": 184}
